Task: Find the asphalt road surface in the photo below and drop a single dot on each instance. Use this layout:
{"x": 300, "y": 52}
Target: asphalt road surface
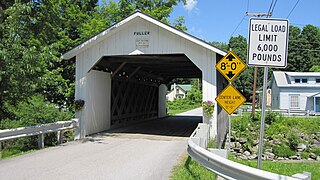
{"x": 146, "y": 150}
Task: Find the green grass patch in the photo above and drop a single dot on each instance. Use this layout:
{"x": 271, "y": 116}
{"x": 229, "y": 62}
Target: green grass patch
{"x": 189, "y": 169}
{"x": 284, "y": 168}
{"x": 178, "y": 111}
{"x": 180, "y": 106}
{"x": 13, "y": 153}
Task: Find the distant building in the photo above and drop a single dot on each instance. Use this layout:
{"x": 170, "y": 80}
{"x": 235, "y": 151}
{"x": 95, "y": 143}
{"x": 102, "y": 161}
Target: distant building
{"x": 296, "y": 91}
{"x": 178, "y": 91}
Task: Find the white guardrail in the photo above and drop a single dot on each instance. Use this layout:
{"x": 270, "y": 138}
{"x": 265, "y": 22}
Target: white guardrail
{"x": 225, "y": 168}
{"x": 39, "y": 130}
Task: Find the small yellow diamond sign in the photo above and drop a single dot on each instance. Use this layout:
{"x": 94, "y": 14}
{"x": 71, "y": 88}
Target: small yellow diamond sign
{"x": 230, "y": 99}
{"x": 230, "y": 66}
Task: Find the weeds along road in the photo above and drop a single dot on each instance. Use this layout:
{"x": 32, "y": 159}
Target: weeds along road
{"x": 147, "y": 150}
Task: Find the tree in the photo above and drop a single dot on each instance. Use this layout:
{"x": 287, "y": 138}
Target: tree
{"x": 304, "y": 48}
{"x": 221, "y": 45}
{"x": 35, "y": 33}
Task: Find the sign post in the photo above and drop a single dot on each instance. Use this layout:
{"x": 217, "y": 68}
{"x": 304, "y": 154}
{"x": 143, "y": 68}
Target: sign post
{"x": 268, "y": 46}
{"x": 230, "y": 66}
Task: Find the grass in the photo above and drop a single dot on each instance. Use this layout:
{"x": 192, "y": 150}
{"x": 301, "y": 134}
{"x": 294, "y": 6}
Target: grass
{"x": 284, "y": 168}
{"x": 178, "y": 111}
{"x": 10, "y": 153}
{"x": 189, "y": 169}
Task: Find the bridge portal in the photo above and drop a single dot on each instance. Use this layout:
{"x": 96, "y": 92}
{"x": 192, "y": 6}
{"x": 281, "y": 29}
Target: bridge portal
{"x": 122, "y": 73}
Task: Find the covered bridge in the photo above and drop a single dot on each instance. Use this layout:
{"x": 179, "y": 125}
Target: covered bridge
{"x": 122, "y": 73}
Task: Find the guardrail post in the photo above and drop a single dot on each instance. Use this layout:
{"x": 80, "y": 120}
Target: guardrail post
{"x": 59, "y": 137}
{"x": 76, "y": 129}
{"x": 0, "y": 150}
{"x": 40, "y": 141}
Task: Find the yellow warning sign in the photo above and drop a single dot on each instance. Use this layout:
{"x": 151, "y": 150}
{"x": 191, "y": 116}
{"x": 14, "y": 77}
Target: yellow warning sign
{"x": 230, "y": 66}
{"x": 230, "y": 99}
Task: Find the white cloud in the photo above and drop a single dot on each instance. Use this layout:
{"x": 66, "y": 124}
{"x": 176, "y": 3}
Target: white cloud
{"x": 197, "y": 32}
{"x": 191, "y": 4}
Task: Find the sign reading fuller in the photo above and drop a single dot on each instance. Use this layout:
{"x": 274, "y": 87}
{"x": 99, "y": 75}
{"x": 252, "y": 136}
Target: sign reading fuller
{"x": 268, "y": 42}
{"x": 230, "y": 66}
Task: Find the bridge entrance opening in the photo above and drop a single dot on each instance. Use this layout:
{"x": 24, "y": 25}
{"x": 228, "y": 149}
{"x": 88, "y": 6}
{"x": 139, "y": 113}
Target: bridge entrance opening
{"x": 137, "y": 81}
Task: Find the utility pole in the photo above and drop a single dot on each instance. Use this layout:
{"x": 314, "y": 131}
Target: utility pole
{"x": 255, "y": 68}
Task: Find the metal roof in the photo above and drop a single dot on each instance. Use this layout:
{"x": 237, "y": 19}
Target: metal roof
{"x": 282, "y": 78}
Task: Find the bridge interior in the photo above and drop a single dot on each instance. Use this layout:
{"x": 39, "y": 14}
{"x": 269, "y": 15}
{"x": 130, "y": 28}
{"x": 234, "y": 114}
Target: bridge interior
{"x": 135, "y": 85}
{"x": 175, "y": 126}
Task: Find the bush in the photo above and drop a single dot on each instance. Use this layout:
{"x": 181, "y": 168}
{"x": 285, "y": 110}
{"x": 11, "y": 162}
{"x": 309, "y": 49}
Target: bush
{"x": 293, "y": 140}
{"x": 36, "y": 110}
{"x": 305, "y": 155}
{"x": 316, "y": 151}
{"x": 283, "y": 151}
{"x": 271, "y": 117}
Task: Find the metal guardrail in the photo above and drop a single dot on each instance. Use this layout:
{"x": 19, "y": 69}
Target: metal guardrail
{"x": 39, "y": 130}
{"x": 230, "y": 169}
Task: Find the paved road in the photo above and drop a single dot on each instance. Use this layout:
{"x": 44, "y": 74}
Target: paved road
{"x": 142, "y": 151}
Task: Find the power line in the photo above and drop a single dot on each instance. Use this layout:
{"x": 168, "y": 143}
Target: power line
{"x": 297, "y": 24}
{"x": 247, "y": 6}
{"x": 238, "y": 26}
{"x": 270, "y": 7}
{"x": 273, "y": 6}
{"x": 293, "y": 8}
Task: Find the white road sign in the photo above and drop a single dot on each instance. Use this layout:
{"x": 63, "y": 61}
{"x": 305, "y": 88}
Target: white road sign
{"x": 268, "y": 42}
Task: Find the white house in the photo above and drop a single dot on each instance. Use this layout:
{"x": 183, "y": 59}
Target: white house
{"x": 296, "y": 91}
{"x": 178, "y": 91}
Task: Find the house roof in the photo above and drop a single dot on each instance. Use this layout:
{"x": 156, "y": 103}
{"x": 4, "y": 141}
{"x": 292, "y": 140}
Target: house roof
{"x": 314, "y": 94}
{"x": 104, "y": 34}
{"x": 282, "y": 78}
{"x": 185, "y": 87}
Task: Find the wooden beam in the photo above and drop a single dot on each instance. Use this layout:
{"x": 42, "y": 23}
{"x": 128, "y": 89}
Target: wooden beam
{"x": 118, "y": 69}
{"x": 134, "y": 72}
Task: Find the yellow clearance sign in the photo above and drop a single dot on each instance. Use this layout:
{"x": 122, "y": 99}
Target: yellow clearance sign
{"x": 230, "y": 66}
{"x": 230, "y": 99}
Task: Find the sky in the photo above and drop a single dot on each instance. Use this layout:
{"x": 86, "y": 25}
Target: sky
{"x": 217, "y": 20}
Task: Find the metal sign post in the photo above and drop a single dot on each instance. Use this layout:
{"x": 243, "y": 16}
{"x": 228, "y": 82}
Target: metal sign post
{"x": 268, "y": 46}
{"x": 229, "y": 150}
{"x": 263, "y": 114}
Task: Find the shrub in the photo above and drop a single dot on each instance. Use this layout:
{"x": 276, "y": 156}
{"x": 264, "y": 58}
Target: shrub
{"x": 283, "y": 151}
{"x": 36, "y": 110}
{"x": 271, "y": 117}
{"x": 293, "y": 140}
{"x": 316, "y": 151}
{"x": 305, "y": 155}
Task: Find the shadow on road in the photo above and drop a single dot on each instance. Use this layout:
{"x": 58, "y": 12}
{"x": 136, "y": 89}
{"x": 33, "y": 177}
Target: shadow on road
{"x": 179, "y": 126}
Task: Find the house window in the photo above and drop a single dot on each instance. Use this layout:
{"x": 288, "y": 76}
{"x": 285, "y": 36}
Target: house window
{"x": 294, "y": 101}
{"x": 317, "y": 80}
{"x": 297, "y": 80}
{"x": 304, "y": 80}
{"x": 177, "y": 91}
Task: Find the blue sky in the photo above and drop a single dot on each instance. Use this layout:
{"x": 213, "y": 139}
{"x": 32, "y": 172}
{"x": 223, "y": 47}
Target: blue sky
{"x": 216, "y": 20}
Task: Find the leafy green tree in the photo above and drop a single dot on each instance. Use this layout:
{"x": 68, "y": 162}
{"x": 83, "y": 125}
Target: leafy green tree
{"x": 221, "y": 45}
{"x": 315, "y": 68}
{"x": 304, "y": 48}
{"x": 35, "y": 110}
{"x": 179, "y": 23}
